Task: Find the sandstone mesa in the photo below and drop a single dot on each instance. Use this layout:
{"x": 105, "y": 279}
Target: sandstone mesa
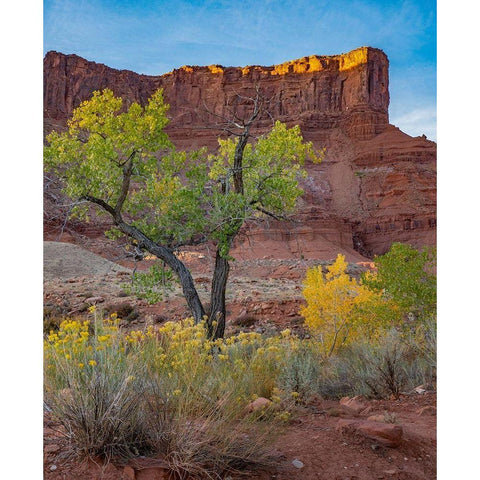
{"x": 376, "y": 185}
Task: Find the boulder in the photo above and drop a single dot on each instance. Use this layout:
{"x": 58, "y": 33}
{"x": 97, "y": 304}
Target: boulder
{"x": 259, "y": 404}
{"x": 128, "y": 473}
{"x": 352, "y": 406}
{"x": 376, "y": 418}
{"x": 386, "y": 434}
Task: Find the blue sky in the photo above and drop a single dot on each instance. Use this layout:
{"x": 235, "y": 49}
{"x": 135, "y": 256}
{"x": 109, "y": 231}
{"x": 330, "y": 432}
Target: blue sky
{"x": 154, "y": 37}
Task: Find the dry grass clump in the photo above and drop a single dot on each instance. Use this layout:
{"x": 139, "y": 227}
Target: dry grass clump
{"x": 92, "y": 388}
{"x": 391, "y": 365}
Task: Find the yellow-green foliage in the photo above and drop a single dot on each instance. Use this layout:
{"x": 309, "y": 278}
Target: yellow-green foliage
{"x": 179, "y": 351}
{"x": 407, "y": 276}
{"x": 339, "y": 308}
{"x": 172, "y": 196}
{"x": 74, "y": 350}
{"x": 123, "y": 394}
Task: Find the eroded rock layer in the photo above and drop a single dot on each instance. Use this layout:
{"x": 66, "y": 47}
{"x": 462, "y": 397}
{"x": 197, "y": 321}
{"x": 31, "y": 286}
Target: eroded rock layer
{"x": 376, "y": 185}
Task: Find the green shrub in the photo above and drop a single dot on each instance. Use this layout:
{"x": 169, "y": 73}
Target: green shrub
{"x": 302, "y": 371}
{"x": 151, "y": 285}
{"x": 407, "y": 276}
{"x": 389, "y": 367}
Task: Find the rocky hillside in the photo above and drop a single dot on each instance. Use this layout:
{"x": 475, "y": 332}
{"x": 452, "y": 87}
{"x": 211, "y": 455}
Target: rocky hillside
{"x": 376, "y": 185}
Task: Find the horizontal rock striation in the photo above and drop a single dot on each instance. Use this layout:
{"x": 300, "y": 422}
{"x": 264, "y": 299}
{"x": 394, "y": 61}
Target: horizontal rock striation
{"x": 376, "y": 185}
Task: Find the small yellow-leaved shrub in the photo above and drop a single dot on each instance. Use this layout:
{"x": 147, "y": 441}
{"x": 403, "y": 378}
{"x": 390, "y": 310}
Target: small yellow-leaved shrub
{"x": 340, "y": 309}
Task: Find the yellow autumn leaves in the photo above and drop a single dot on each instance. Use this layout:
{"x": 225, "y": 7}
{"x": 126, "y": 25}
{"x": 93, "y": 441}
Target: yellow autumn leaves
{"x": 340, "y": 309}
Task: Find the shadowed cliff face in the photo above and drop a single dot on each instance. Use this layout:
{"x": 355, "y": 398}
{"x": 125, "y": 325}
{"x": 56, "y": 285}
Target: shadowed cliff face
{"x": 377, "y": 185}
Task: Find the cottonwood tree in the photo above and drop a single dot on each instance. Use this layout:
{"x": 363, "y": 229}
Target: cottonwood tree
{"x": 340, "y": 309}
{"x": 121, "y": 160}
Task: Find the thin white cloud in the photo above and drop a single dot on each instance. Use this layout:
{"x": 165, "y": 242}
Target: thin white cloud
{"x": 418, "y": 121}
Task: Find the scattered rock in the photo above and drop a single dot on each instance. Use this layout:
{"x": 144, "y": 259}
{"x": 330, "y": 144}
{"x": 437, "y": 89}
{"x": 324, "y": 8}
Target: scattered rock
{"x": 421, "y": 389}
{"x": 352, "y": 406}
{"x": 376, "y": 418}
{"x": 124, "y": 310}
{"x": 297, "y": 463}
{"x": 244, "y": 319}
{"x": 428, "y": 410}
{"x": 95, "y": 300}
{"x": 386, "y": 417}
{"x": 384, "y": 433}
{"x": 260, "y": 403}
{"x": 367, "y": 411}
{"x": 128, "y": 473}
{"x": 53, "y": 467}
{"x": 155, "y": 319}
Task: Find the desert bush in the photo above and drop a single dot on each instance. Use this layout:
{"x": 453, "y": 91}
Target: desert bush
{"x": 200, "y": 437}
{"x": 151, "y": 285}
{"x": 170, "y": 392}
{"x": 92, "y": 388}
{"x": 302, "y": 371}
{"x": 387, "y": 367}
{"x": 422, "y": 348}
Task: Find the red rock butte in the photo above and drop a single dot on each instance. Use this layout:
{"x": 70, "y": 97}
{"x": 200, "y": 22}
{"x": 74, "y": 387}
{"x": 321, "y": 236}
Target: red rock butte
{"x": 376, "y": 185}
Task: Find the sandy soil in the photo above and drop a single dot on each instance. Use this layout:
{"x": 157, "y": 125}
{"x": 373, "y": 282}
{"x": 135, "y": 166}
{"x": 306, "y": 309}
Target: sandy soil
{"x": 311, "y": 438}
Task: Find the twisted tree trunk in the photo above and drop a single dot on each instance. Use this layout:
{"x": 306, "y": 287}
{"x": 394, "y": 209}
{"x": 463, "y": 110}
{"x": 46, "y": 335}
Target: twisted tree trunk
{"x": 217, "y": 318}
{"x": 165, "y": 254}
{"x": 160, "y": 251}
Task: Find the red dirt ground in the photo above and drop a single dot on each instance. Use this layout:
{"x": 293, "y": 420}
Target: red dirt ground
{"x": 311, "y": 438}
{"x": 270, "y": 292}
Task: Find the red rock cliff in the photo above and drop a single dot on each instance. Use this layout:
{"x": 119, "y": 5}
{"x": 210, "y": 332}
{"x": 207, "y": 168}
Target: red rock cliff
{"x": 377, "y": 185}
